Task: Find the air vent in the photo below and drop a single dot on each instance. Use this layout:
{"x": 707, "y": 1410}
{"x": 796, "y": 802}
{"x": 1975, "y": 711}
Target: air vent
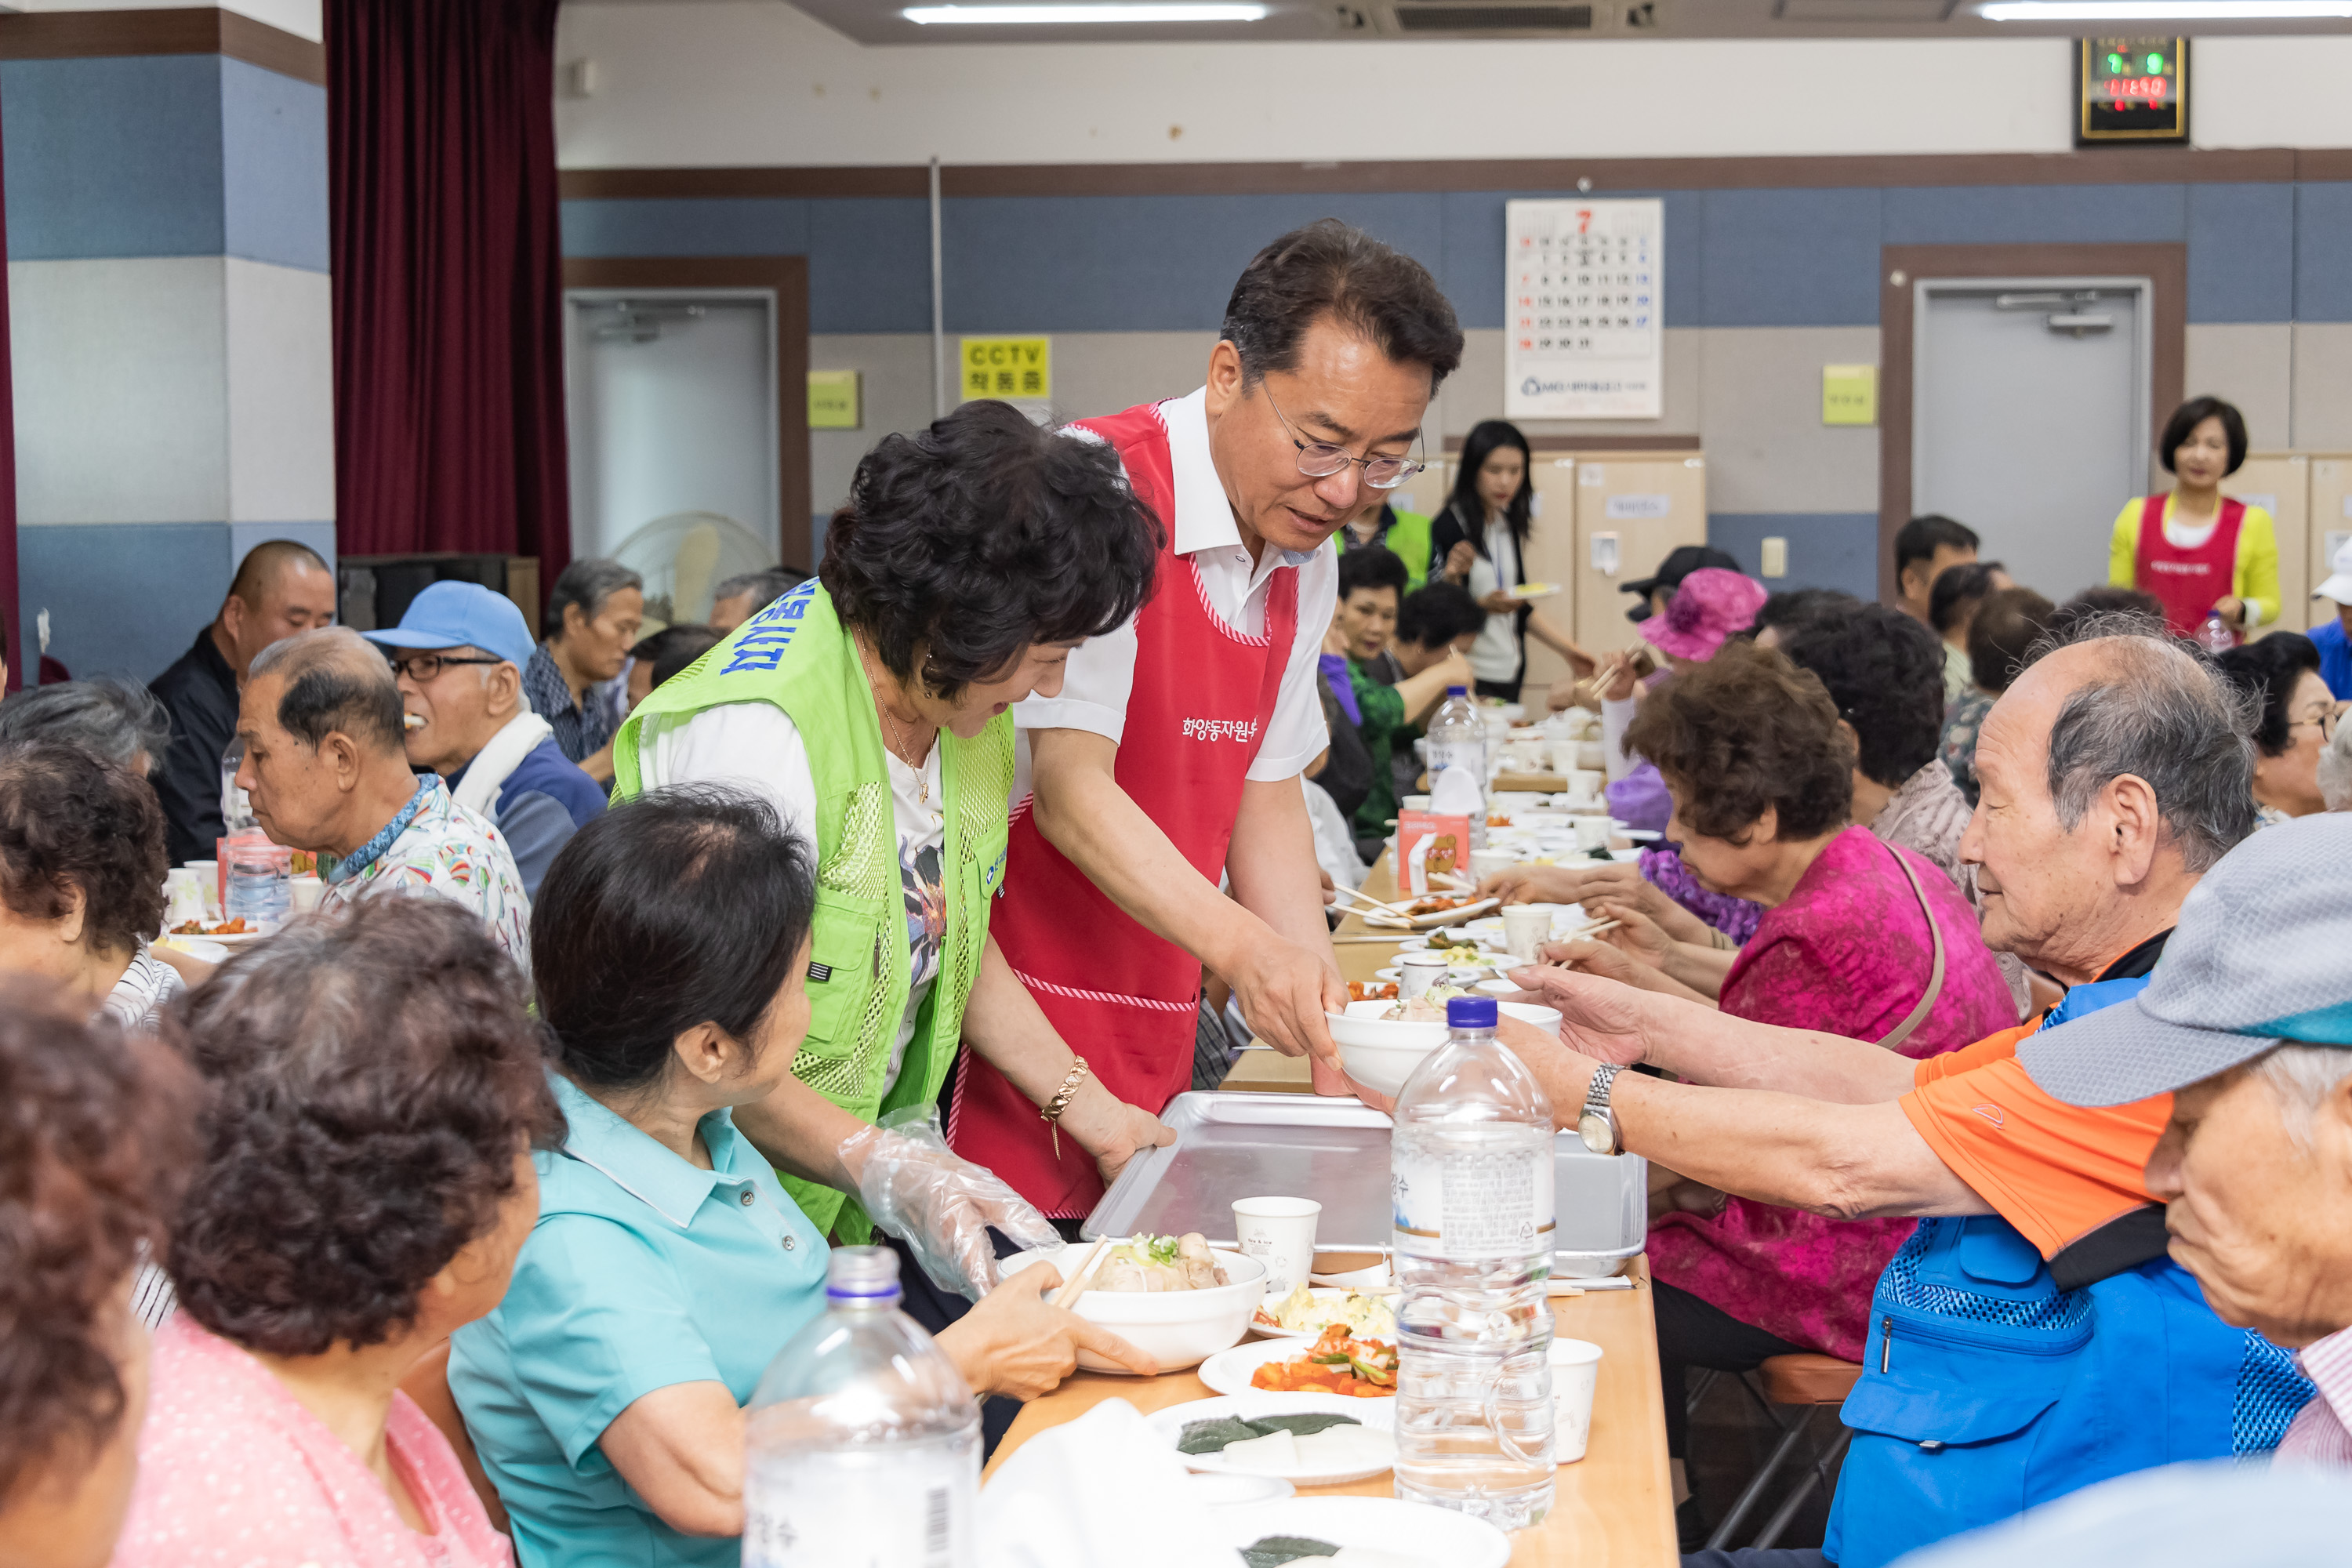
{"x": 1520, "y": 19}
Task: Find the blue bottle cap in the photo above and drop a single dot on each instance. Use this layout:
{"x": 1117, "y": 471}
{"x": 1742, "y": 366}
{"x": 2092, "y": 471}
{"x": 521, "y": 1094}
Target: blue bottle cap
{"x": 1457, "y": 691}
{"x": 1470, "y": 1013}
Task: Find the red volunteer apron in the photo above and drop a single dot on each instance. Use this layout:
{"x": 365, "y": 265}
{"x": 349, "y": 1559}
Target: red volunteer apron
{"x": 1121, "y": 997}
{"x": 2186, "y": 582}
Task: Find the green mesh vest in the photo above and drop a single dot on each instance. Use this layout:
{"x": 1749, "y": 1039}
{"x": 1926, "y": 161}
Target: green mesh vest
{"x": 797, "y": 654}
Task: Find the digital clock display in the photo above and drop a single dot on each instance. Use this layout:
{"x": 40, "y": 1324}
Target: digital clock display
{"x": 2133, "y": 90}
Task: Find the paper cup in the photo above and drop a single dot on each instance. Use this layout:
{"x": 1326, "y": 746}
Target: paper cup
{"x": 1417, "y": 972}
{"x": 1485, "y": 863}
{"x": 1526, "y": 928}
{"x": 1280, "y": 1233}
{"x": 305, "y": 893}
{"x": 1575, "y": 1372}
{"x": 1414, "y": 802}
{"x": 208, "y": 878}
{"x": 1592, "y": 833}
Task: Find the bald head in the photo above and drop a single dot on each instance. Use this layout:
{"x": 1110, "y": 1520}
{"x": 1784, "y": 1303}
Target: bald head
{"x": 334, "y": 680}
{"x": 281, "y": 587}
{"x": 266, "y": 563}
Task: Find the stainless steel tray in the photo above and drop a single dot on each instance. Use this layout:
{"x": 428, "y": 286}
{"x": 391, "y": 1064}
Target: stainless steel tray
{"x": 1335, "y": 1150}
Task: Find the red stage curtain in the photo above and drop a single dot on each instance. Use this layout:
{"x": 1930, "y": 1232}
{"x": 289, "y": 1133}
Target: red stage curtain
{"x": 448, "y": 283}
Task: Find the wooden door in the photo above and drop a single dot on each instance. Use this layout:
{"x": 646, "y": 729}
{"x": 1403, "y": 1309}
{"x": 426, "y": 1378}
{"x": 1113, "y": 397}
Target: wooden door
{"x": 2329, "y": 526}
{"x": 2280, "y": 483}
{"x": 1631, "y": 510}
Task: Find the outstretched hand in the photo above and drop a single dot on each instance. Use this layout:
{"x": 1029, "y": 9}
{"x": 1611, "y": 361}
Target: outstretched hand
{"x": 1599, "y": 1018}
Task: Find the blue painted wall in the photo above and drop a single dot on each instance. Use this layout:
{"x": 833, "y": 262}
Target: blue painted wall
{"x": 1734, "y": 258}
{"x": 1826, "y": 549}
{"x": 186, "y": 155}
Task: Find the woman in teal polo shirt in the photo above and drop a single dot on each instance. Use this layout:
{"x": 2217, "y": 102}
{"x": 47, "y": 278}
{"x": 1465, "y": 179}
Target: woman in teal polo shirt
{"x": 669, "y": 1265}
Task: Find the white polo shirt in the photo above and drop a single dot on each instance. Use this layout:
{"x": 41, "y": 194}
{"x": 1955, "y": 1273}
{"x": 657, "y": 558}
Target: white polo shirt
{"x": 1101, "y": 672}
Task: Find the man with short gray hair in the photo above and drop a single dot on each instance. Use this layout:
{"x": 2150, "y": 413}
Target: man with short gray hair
{"x": 327, "y": 769}
{"x": 593, "y": 616}
{"x": 2248, "y": 1027}
{"x": 2032, "y": 1338}
{"x": 741, "y": 597}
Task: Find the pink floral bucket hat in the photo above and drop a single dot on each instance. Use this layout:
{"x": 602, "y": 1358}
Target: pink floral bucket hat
{"x": 1710, "y": 605}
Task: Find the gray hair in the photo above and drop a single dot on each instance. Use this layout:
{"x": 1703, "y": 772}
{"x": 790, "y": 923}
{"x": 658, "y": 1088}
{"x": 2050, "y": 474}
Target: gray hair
{"x": 2160, "y": 714}
{"x": 2302, "y": 1077}
{"x": 335, "y": 680}
{"x": 587, "y": 583}
{"x": 2336, "y": 770}
{"x": 764, "y": 587}
{"x": 107, "y": 716}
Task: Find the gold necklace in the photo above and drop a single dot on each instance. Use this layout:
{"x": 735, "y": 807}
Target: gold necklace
{"x": 905, "y": 746}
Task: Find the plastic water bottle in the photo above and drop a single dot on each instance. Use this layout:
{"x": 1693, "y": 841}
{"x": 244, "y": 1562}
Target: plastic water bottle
{"x": 862, "y": 1443}
{"x": 1470, "y": 1178}
{"x": 260, "y": 888}
{"x": 1457, "y": 739}
{"x": 1457, "y": 736}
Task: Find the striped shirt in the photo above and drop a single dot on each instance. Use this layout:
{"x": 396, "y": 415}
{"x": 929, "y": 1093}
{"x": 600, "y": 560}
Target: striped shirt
{"x": 2322, "y": 1434}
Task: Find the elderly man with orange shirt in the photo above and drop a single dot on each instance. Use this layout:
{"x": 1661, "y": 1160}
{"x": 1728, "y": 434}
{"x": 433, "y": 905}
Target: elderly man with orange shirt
{"x": 2032, "y": 1337}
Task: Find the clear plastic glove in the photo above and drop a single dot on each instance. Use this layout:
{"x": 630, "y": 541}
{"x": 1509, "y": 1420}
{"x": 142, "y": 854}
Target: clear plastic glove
{"x": 937, "y": 1202}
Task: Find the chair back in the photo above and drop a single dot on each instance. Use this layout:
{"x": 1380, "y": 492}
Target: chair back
{"x": 428, "y": 1383}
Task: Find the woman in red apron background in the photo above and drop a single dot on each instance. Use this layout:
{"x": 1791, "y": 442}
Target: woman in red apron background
{"x": 1172, "y": 752}
{"x": 2200, "y": 552}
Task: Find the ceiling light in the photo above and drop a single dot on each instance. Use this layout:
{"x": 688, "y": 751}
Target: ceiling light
{"x": 2165, "y": 10}
{"x": 1082, "y": 16}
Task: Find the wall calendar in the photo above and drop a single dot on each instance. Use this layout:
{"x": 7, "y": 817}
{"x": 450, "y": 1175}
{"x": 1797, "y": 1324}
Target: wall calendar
{"x": 1583, "y": 292}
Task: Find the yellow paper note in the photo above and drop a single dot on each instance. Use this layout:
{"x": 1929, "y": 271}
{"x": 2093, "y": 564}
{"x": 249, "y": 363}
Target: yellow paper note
{"x": 1007, "y": 367}
{"x": 1849, "y": 395}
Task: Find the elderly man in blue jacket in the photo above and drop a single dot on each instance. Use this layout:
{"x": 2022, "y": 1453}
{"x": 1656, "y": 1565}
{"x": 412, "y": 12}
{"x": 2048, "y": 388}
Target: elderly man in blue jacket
{"x": 458, "y": 655}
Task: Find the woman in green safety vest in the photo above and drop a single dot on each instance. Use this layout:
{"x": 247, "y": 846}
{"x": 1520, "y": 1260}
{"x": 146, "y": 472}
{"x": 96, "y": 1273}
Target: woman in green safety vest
{"x": 871, "y": 706}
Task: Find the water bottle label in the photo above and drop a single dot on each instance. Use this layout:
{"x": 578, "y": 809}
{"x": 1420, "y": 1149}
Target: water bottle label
{"x": 812, "y": 1511}
{"x": 1461, "y": 1207}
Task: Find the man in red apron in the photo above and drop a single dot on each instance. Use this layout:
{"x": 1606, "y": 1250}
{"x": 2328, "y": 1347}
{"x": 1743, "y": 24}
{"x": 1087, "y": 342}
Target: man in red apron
{"x": 1173, "y": 750}
{"x": 2188, "y": 583}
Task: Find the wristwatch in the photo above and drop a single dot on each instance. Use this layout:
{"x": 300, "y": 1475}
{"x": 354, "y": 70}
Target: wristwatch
{"x": 1598, "y": 1125}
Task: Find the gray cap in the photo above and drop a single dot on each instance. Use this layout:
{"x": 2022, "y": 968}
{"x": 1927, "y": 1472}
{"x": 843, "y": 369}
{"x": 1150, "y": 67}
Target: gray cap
{"x": 2263, "y": 953}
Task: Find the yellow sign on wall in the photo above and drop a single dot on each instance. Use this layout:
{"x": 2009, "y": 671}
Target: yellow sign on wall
{"x": 833, "y": 401}
{"x": 1849, "y": 395}
{"x": 1008, "y": 367}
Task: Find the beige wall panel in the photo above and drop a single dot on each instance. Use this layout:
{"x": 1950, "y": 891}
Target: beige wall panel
{"x": 2323, "y": 387}
{"x": 2279, "y": 482}
{"x": 2249, "y": 363}
{"x": 895, "y": 394}
{"x": 1767, "y": 450}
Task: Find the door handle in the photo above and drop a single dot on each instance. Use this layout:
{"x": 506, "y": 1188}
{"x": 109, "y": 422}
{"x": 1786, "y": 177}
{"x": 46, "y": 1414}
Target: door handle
{"x": 2078, "y": 321}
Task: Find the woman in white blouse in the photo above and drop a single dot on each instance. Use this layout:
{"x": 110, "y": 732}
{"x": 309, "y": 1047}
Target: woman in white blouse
{"x": 1480, "y": 542}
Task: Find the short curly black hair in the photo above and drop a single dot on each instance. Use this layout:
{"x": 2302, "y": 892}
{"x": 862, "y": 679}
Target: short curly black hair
{"x": 1371, "y": 567}
{"x": 1745, "y": 731}
{"x": 980, "y": 536}
{"x": 72, "y": 823}
{"x": 373, "y": 1075}
{"x": 2266, "y": 670}
{"x": 96, "y": 1134}
{"x": 1884, "y": 671}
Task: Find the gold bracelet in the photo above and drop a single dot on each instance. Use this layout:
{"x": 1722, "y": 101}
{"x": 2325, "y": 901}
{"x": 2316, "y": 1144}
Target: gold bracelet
{"x": 1052, "y": 1113}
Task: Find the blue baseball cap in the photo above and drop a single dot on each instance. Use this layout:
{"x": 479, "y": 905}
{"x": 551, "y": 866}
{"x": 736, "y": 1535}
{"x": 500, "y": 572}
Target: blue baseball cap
{"x": 2257, "y": 959}
{"x": 461, "y": 614}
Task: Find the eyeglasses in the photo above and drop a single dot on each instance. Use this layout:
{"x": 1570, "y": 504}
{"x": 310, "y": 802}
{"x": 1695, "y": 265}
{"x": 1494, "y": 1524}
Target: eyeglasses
{"x": 421, "y": 668}
{"x": 2326, "y": 722}
{"x": 1321, "y": 460}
